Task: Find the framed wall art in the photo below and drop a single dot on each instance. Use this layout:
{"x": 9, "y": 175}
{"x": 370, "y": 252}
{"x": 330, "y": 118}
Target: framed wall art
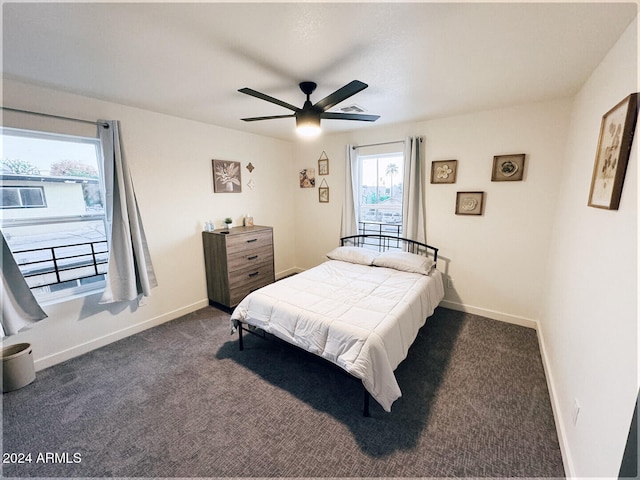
{"x": 323, "y": 192}
{"x": 469, "y": 203}
{"x": 614, "y": 146}
{"x": 226, "y": 176}
{"x": 508, "y": 168}
{"x": 308, "y": 178}
{"x": 444, "y": 171}
{"x": 323, "y": 164}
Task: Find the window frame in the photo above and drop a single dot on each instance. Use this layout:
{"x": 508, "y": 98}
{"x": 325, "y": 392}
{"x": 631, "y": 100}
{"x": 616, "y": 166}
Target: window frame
{"x": 20, "y": 197}
{"x": 378, "y": 226}
{"x": 84, "y": 286}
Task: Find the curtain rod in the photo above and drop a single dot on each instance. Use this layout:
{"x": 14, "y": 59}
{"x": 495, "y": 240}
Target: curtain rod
{"x": 355, "y": 147}
{"x": 378, "y": 144}
{"x": 59, "y": 117}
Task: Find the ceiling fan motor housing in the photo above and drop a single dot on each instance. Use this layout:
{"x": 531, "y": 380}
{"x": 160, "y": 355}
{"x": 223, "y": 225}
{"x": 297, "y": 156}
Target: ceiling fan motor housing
{"x": 307, "y": 88}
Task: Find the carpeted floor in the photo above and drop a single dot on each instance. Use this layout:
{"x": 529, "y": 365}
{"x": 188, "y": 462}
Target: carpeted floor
{"x": 180, "y": 400}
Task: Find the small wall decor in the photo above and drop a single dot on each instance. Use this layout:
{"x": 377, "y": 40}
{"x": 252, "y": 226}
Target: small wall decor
{"x": 444, "y": 171}
{"x": 323, "y": 164}
{"x": 323, "y": 192}
{"x": 612, "y": 156}
{"x": 250, "y": 167}
{"x": 508, "y": 168}
{"x": 469, "y": 203}
{"x": 226, "y": 177}
{"x": 308, "y": 178}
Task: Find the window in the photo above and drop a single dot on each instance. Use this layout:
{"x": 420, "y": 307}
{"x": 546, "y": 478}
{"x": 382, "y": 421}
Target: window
{"x": 52, "y": 212}
{"x": 22, "y": 197}
{"x": 380, "y": 187}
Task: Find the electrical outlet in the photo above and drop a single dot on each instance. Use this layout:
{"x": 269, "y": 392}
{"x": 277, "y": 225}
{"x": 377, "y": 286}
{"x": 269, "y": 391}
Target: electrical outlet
{"x": 576, "y": 411}
{"x": 449, "y": 282}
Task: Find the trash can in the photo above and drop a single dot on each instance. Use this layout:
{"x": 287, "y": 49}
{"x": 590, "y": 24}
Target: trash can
{"x": 17, "y": 367}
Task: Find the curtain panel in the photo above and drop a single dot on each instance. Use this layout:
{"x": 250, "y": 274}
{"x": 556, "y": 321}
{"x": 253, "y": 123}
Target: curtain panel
{"x": 414, "y": 203}
{"x": 130, "y": 272}
{"x": 349, "y": 224}
{"x": 20, "y": 309}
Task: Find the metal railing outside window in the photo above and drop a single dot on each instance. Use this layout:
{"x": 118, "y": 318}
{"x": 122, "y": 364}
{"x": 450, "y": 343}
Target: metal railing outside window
{"x": 379, "y": 228}
{"x": 49, "y": 266}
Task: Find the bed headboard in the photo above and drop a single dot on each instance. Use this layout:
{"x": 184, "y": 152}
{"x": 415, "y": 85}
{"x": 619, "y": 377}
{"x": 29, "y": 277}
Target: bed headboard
{"x": 383, "y": 243}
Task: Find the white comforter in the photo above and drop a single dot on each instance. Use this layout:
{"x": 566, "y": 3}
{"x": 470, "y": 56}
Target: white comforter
{"x": 362, "y": 318}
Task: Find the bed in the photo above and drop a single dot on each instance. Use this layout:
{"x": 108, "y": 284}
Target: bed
{"x": 360, "y": 310}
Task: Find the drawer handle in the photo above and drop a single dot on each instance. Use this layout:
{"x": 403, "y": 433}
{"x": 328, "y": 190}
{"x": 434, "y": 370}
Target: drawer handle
{"x": 252, "y": 240}
{"x": 252, "y": 257}
{"x": 251, "y": 275}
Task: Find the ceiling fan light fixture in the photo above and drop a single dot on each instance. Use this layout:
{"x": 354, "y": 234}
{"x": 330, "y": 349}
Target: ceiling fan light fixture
{"x": 308, "y": 125}
{"x": 308, "y": 117}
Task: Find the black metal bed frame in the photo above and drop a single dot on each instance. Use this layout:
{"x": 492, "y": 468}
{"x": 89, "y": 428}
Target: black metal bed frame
{"x": 385, "y": 242}
{"x": 390, "y": 242}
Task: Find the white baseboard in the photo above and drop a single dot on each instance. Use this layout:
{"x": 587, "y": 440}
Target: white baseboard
{"x": 555, "y": 407}
{"x": 96, "y": 343}
{"x": 494, "y": 315}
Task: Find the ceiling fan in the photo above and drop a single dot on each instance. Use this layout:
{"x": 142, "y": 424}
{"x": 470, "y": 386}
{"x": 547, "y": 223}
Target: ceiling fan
{"x": 308, "y": 117}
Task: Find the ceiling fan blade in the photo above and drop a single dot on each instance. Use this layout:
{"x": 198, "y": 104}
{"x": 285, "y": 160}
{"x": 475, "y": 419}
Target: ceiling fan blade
{"x": 255, "y": 119}
{"x": 262, "y": 96}
{"x": 349, "y": 116}
{"x": 341, "y": 94}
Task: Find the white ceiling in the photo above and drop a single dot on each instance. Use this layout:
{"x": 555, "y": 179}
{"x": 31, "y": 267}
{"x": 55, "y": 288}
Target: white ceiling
{"x": 421, "y": 60}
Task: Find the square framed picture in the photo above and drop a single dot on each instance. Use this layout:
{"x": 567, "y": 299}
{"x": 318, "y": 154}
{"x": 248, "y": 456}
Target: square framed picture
{"x": 308, "y": 178}
{"x": 469, "y": 203}
{"x": 508, "y": 168}
{"x": 227, "y": 177}
{"x": 444, "y": 171}
{"x": 614, "y": 146}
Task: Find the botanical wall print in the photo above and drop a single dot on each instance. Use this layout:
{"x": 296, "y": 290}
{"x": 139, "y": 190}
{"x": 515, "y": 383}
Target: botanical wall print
{"x": 226, "y": 177}
{"x": 508, "y": 168}
{"x": 612, "y": 156}
{"x": 469, "y": 203}
{"x": 323, "y": 192}
{"x": 444, "y": 171}
{"x": 308, "y": 178}
{"x": 323, "y": 164}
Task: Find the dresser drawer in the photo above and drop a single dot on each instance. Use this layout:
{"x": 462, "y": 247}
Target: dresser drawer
{"x": 247, "y": 258}
{"x": 249, "y": 241}
{"x": 251, "y": 274}
{"x": 247, "y": 281}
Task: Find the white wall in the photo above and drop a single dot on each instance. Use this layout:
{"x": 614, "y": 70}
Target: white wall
{"x": 496, "y": 261}
{"x": 589, "y": 324}
{"x": 170, "y": 160}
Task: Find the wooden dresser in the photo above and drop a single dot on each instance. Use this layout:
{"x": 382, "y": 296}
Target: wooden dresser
{"x": 237, "y": 262}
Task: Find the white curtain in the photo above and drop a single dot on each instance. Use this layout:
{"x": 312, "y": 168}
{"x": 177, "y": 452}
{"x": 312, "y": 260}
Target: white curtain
{"x": 414, "y": 211}
{"x": 349, "y": 216}
{"x": 20, "y": 310}
{"x": 130, "y": 272}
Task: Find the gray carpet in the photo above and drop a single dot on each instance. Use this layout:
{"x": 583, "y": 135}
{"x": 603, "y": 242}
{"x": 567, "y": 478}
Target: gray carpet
{"x": 180, "y": 400}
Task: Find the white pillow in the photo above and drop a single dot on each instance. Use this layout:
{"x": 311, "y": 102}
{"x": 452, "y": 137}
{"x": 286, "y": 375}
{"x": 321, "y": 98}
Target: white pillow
{"x": 404, "y": 261}
{"x": 353, "y": 255}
